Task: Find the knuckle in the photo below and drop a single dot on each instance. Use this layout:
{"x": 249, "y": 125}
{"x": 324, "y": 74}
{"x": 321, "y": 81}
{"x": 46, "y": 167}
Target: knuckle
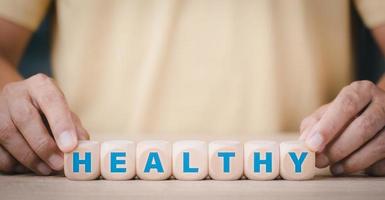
{"x": 366, "y": 124}
{"x": 28, "y": 158}
{"x": 6, "y": 128}
{"x": 335, "y": 153}
{"x": 9, "y": 88}
{"x": 363, "y": 84}
{"x": 23, "y": 113}
{"x": 381, "y": 145}
{"x": 43, "y": 146}
{"x": 349, "y": 102}
{"x": 51, "y": 96}
{"x": 40, "y": 77}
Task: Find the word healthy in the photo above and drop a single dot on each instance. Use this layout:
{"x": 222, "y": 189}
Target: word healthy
{"x": 190, "y": 160}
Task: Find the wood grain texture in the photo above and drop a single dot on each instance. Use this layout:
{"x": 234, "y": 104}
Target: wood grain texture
{"x": 322, "y": 187}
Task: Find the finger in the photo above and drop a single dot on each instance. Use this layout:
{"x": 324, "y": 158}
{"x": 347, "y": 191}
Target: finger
{"x": 13, "y": 142}
{"x": 349, "y": 102}
{"x": 308, "y": 123}
{"x": 361, "y": 130}
{"x": 53, "y": 104}
{"x": 321, "y": 160}
{"x": 377, "y": 169}
{"x": 81, "y": 132}
{"x": 372, "y": 152}
{"x": 7, "y": 163}
{"x": 29, "y": 123}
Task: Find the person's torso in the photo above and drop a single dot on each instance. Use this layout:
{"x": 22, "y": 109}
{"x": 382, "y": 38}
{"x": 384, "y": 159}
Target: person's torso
{"x": 228, "y": 67}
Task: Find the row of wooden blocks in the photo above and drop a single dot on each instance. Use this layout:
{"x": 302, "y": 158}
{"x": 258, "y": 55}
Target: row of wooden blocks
{"x": 190, "y": 160}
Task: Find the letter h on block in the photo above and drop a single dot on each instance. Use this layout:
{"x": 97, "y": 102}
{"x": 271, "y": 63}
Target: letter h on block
{"x": 261, "y": 160}
{"x": 83, "y": 162}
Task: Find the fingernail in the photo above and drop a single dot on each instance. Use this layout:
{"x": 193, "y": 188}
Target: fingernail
{"x": 67, "y": 141}
{"x": 56, "y": 161}
{"x": 43, "y": 169}
{"x": 315, "y": 142}
{"x": 337, "y": 169}
{"x": 322, "y": 160}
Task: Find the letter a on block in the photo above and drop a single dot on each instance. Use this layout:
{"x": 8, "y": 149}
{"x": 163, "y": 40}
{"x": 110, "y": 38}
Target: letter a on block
{"x": 153, "y": 162}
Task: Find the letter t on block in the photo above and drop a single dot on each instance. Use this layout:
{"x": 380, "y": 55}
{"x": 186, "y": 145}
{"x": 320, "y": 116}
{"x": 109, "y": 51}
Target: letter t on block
{"x": 83, "y": 162}
{"x": 225, "y": 160}
{"x": 297, "y": 161}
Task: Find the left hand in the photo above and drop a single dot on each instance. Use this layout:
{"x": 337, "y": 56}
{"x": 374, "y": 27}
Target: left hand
{"x": 348, "y": 134}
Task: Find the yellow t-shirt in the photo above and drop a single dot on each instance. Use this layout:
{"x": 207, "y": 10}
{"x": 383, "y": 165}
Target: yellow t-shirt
{"x": 202, "y": 66}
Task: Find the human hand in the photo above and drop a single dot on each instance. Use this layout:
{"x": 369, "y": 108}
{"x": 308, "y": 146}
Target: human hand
{"x": 348, "y": 134}
{"x": 36, "y": 127}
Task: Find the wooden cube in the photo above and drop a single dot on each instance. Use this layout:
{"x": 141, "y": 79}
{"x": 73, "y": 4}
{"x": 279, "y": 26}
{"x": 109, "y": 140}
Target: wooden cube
{"x": 297, "y": 162}
{"x": 261, "y": 160}
{"x": 225, "y": 160}
{"x": 189, "y": 160}
{"x": 153, "y": 160}
{"x": 118, "y": 160}
{"x": 83, "y": 163}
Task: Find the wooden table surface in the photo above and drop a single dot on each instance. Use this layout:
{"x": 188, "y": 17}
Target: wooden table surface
{"x": 322, "y": 187}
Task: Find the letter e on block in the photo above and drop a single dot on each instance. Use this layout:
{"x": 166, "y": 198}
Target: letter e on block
{"x": 118, "y": 160}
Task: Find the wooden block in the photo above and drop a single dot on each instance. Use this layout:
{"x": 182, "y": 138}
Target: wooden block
{"x": 118, "y": 160}
{"x": 297, "y": 162}
{"x": 190, "y": 160}
{"x": 83, "y": 163}
{"x": 225, "y": 160}
{"x": 153, "y": 160}
{"x": 261, "y": 160}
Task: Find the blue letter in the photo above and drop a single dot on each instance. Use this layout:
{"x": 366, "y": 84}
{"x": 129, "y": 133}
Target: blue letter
{"x": 298, "y": 162}
{"x": 258, "y": 162}
{"x": 153, "y": 156}
{"x": 226, "y": 160}
{"x": 76, "y": 162}
{"x": 114, "y": 162}
{"x": 186, "y": 164}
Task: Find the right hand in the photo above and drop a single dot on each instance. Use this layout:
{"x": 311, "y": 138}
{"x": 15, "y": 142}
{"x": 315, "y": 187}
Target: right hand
{"x": 36, "y": 127}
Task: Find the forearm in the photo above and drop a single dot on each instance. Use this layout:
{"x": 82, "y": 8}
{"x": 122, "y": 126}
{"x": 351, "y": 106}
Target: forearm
{"x": 8, "y": 72}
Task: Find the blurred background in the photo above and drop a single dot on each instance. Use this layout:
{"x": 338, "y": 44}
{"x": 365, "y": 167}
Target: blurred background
{"x": 368, "y": 61}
